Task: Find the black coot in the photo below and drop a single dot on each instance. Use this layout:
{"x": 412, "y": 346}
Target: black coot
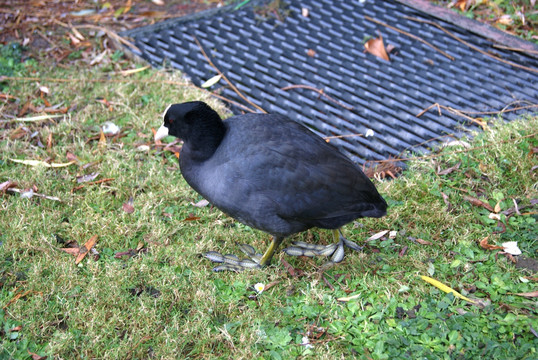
{"x": 272, "y": 174}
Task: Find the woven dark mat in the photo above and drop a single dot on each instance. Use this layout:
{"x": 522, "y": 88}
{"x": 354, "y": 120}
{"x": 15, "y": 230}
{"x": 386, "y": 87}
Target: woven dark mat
{"x": 261, "y": 55}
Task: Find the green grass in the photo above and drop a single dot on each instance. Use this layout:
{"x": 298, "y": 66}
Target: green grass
{"x": 166, "y": 303}
{"x": 518, "y": 17}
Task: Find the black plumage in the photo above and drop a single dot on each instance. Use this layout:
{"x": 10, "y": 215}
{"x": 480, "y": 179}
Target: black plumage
{"x": 269, "y": 172}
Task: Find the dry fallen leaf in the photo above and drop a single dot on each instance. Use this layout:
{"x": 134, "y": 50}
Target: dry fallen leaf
{"x": 505, "y": 19}
{"x": 36, "y": 356}
{"x": 81, "y": 251}
{"x": 7, "y": 185}
{"x": 157, "y": 142}
{"x": 449, "y": 170}
{"x": 376, "y": 47}
{"x": 102, "y": 140}
{"x": 349, "y": 298}
{"x": 311, "y": 53}
{"x": 478, "y": 202}
{"x": 192, "y": 218}
{"x": 484, "y": 244}
{"x": 423, "y": 242}
{"x": 377, "y": 235}
{"x": 528, "y": 294}
{"x": 446, "y": 289}
{"x": 212, "y": 81}
{"x": 41, "y": 163}
{"x": 128, "y": 206}
{"x": 49, "y": 141}
{"x": 497, "y": 208}
{"x": 84, "y": 250}
{"x": 462, "y": 4}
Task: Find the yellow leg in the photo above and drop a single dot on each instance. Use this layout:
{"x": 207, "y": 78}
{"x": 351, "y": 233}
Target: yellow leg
{"x": 266, "y": 258}
{"x": 336, "y": 236}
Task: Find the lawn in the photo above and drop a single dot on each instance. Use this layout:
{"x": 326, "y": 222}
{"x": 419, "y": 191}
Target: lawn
{"x": 143, "y": 291}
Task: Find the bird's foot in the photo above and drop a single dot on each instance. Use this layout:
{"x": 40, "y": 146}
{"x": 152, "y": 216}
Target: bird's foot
{"x": 230, "y": 262}
{"x": 334, "y": 251}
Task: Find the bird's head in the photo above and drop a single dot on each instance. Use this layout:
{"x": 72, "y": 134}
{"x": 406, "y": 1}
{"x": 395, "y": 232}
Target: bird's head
{"x": 179, "y": 119}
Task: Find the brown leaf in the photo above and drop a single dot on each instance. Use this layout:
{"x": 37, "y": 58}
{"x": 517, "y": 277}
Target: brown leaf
{"x": 102, "y": 139}
{"x": 16, "y": 328}
{"x": 26, "y": 108}
{"x": 36, "y": 356}
{"x": 529, "y": 294}
{"x": 293, "y": 271}
{"x": 83, "y": 251}
{"x": 8, "y": 97}
{"x": 192, "y": 218}
{"x": 478, "y": 202}
{"x": 423, "y": 242}
{"x": 484, "y": 244}
{"x": 45, "y": 101}
{"x": 128, "y": 206}
{"x": 157, "y": 142}
{"x": 7, "y": 185}
{"x": 18, "y": 133}
{"x": 497, "y": 208}
{"x": 53, "y": 110}
{"x": 403, "y": 251}
{"x": 271, "y": 284}
{"x": 91, "y": 183}
{"x": 71, "y": 250}
{"x": 462, "y": 4}
{"x": 449, "y": 170}
{"x": 71, "y": 157}
{"x": 311, "y": 53}
{"x": 173, "y": 148}
{"x": 376, "y": 47}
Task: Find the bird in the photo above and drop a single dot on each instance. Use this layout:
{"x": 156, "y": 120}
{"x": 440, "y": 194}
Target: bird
{"x": 273, "y": 174}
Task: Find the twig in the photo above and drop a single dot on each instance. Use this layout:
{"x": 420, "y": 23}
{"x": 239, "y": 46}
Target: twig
{"x": 470, "y": 45}
{"x": 410, "y": 35}
{"x": 54, "y": 198}
{"x": 21, "y": 295}
{"x": 327, "y": 282}
{"x": 319, "y": 91}
{"x": 91, "y": 183}
{"x": 428, "y": 108}
{"x": 499, "y": 111}
{"x": 225, "y": 78}
{"x": 341, "y": 136}
{"x": 54, "y": 45}
{"x": 455, "y": 112}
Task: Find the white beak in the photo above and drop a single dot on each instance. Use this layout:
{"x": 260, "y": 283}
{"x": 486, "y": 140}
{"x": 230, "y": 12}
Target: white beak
{"x": 161, "y": 133}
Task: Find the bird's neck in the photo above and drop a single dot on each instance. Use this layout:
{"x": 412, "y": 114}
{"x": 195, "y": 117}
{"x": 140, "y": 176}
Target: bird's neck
{"x": 206, "y": 138}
